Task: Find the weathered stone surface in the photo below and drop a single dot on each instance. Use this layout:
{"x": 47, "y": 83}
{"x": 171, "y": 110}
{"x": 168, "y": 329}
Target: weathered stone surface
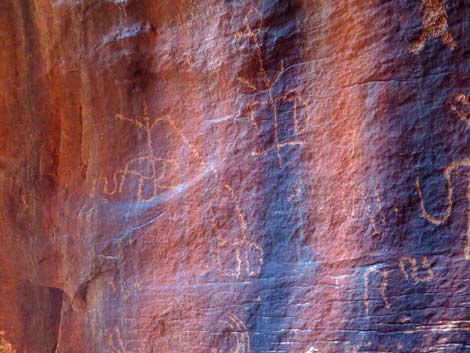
{"x": 234, "y": 176}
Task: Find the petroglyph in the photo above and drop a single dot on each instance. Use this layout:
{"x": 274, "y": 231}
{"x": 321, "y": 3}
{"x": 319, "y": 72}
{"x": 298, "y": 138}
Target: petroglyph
{"x": 154, "y": 174}
{"x": 361, "y": 204}
{"x": 238, "y": 330}
{"x": 414, "y": 269}
{"x": 5, "y": 346}
{"x": 115, "y": 342}
{"x": 264, "y": 84}
{"x": 376, "y": 219}
{"x": 383, "y": 288}
{"x": 462, "y": 101}
{"x": 463, "y": 163}
{"x": 434, "y": 17}
{"x": 248, "y": 254}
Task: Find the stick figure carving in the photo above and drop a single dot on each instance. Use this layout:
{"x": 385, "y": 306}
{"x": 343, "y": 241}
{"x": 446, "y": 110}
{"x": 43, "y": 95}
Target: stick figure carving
{"x": 248, "y": 255}
{"x": 236, "y": 328}
{"x": 464, "y": 111}
{"x": 264, "y": 85}
{"x": 154, "y": 174}
{"x": 435, "y": 25}
{"x": 464, "y": 163}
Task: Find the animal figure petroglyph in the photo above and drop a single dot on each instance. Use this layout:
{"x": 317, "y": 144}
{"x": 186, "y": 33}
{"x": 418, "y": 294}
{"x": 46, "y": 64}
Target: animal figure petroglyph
{"x": 434, "y": 25}
{"x": 248, "y": 254}
{"x": 240, "y": 332}
{"x": 463, "y": 163}
{"x": 464, "y": 112}
{"x": 383, "y": 287}
{"x": 414, "y": 269}
{"x": 265, "y": 85}
{"x": 154, "y": 174}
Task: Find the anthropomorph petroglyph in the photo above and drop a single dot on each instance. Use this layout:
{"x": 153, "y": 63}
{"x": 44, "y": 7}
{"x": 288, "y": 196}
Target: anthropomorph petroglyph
{"x": 115, "y": 342}
{"x": 434, "y": 17}
{"x": 383, "y": 287}
{"x": 154, "y": 174}
{"x": 248, "y": 255}
{"x": 376, "y": 217}
{"x": 414, "y": 269}
{"x": 238, "y": 330}
{"x": 264, "y": 86}
{"x": 463, "y": 163}
{"x": 462, "y": 107}
{"x": 368, "y": 205}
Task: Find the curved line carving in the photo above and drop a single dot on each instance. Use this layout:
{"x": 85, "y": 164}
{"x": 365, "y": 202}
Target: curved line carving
{"x": 463, "y": 163}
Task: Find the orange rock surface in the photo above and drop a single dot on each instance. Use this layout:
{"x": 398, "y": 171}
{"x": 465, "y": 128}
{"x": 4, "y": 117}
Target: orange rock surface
{"x": 234, "y": 176}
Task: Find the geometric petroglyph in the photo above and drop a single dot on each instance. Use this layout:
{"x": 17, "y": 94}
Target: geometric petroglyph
{"x": 435, "y": 25}
{"x": 464, "y": 111}
{"x": 414, "y": 269}
{"x": 239, "y": 331}
{"x": 383, "y": 287}
{"x": 463, "y": 163}
{"x": 264, "y": 86}
{"x": 5, "y": 346}
{"x": 115, "y": 342}
{"x": 154, "y": 174}
{"x": 237, "y": 255}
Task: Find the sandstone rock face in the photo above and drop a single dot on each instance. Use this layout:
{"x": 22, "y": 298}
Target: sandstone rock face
{"x": 234, "y": 176}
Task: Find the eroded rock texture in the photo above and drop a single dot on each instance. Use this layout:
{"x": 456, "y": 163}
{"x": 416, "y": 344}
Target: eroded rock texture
{"x": 234, "y": 176}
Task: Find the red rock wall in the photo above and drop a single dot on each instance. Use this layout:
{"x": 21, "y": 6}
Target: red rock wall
{"x": 234, "y": 176}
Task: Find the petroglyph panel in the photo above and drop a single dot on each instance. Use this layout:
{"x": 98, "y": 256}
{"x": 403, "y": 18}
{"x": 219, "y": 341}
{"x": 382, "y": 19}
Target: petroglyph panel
{"x": 272, "y": 176}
